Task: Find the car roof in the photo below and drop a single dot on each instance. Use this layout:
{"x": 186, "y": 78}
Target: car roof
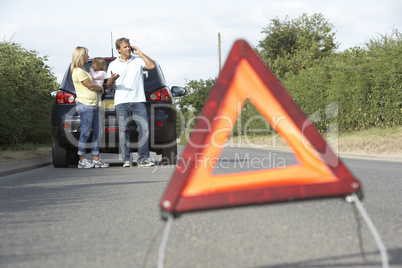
{"x": 105, "y": 58}
{"x": 153, "y": 79}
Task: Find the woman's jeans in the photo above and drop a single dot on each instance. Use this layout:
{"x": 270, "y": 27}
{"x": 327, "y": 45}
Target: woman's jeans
{"x": 138, "y": 112}
{"x": 90, "y": 118}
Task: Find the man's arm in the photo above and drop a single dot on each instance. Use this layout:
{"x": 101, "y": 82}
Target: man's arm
{"x": 111, "y": 81}
{"x": 149, "y": 63}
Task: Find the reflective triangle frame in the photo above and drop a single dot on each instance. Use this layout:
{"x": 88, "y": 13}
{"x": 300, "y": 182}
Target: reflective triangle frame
{"x": 320, "y": 173}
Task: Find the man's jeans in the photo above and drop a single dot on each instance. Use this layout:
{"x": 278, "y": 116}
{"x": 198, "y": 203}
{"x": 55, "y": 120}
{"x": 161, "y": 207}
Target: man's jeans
{"x": 90, "y": 118}
{"x": 138, "y": 112}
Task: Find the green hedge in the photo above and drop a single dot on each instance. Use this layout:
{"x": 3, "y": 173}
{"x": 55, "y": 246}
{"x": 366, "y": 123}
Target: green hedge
{"x": 364, "y": 83}
{"x": 355, "y": 89}
{"x": 25, "y": 103}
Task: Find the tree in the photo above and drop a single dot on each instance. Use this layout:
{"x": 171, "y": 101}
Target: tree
{"x": 191, "y": 105}
{"x": 291, "y": 46}
{"x": 25, "y": 103}
{"x": 196, "y": 96}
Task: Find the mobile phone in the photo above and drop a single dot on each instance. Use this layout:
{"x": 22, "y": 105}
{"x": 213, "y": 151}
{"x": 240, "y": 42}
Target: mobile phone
{"x": 132, "y": 50}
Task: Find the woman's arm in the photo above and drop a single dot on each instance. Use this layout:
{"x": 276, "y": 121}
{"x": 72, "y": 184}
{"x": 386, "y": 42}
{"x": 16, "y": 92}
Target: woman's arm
{"x": 87, "y": 83}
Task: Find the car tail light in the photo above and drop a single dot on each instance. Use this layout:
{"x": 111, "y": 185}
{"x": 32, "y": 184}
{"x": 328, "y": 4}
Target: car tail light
{"x": 160, "y": 95}
{"x": 112, "y": 129}
{"x": 64, "y": 97}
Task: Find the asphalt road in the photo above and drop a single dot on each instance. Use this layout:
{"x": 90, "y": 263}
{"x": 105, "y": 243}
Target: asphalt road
{"x": 110, "y": 218}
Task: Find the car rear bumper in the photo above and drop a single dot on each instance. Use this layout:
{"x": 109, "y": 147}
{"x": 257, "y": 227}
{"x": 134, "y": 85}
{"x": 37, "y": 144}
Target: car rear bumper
{"x": 162, "y": 133}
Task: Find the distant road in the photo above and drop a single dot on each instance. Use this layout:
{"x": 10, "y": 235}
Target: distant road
{"x": 110, "y": 218}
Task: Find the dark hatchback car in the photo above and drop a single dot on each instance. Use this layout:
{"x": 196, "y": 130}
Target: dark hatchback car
{"x": 162, "y": 116}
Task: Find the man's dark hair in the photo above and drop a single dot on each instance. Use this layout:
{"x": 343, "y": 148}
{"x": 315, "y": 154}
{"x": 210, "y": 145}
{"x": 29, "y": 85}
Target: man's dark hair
{"x": 121, "y": 40}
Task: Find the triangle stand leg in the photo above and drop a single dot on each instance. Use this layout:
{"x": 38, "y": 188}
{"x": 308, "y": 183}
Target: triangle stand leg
{"x": 383, "y": 251}
{"x": 162, "y": 247}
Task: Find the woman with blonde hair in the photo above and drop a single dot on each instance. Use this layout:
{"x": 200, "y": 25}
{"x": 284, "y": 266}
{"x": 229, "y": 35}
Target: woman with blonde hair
{"x": 87, "y": 108}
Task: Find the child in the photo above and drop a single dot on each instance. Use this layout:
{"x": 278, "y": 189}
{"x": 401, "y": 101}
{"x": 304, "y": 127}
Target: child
{"x": 98, "y": 74}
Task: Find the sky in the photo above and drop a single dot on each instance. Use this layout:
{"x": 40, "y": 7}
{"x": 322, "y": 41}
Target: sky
{"x": 182, "y": 36}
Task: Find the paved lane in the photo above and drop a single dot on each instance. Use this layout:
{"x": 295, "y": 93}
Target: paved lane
{"x": 110, "y": 218}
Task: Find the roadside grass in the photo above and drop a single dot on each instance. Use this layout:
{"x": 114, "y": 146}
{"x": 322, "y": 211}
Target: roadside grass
{"x": 376, "y": 132}
{"x": 24, "y": 151}
{"x": 24, "y": 147}
{"x": 376, "y": 141}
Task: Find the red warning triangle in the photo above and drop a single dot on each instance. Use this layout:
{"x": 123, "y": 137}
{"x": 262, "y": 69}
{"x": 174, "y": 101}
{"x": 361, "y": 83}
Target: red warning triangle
{"x": 319, "y": 173}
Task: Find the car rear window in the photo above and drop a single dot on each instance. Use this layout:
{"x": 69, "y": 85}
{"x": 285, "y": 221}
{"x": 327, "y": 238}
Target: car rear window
{"x": 149, "y": 76}
{"x": 89, "y": 64}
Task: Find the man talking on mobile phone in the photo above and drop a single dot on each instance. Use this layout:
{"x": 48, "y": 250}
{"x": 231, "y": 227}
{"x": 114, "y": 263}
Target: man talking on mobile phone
{"x": 125, "y": 75}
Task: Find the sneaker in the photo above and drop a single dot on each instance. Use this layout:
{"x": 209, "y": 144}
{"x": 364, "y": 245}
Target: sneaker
{"x": 85, "y": 164}
{"x": 127, "y": 164}
{"x": 146, "y": 163}
{"x": 100, "y": 164}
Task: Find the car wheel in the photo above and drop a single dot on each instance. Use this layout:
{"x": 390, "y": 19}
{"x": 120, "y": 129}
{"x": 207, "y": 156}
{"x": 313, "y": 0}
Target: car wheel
{"x": 169, "y": 155}
{"x": 73, "y": 156}
{"x": 60, "y": 156}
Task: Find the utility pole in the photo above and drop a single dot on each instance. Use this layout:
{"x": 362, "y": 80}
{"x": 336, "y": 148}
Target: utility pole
{"x": 219, "y": 45}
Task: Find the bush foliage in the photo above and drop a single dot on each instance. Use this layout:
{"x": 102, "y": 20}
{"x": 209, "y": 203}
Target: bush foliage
{"x": 25, "y": 103}
{"x": 356, "y": 89}
{"x": 364, "y": 82}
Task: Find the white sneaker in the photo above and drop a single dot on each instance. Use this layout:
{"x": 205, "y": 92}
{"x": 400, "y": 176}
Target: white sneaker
{"x": 85, "y": 164}
{"x": 127, "y": 164}
{"x": 100, "y": 164}
{"x": 146, "y": 163}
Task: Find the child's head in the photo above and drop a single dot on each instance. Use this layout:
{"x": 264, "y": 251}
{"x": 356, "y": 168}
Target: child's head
{"x": 98, "y": 64}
